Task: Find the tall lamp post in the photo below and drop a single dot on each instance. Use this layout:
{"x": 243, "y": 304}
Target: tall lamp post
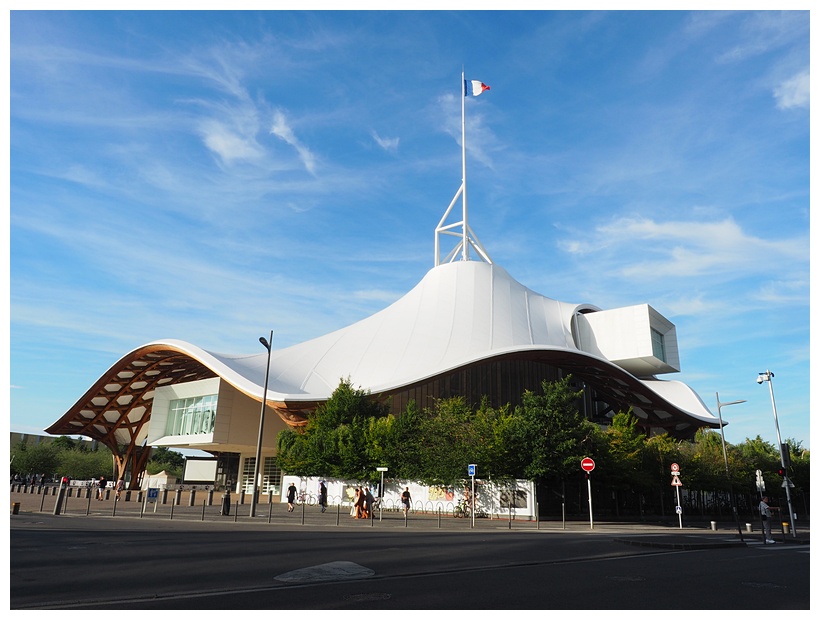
{"x": 726, "y": 460}
{"x": 768, "y": 376}
{"x": 255, "y": 497}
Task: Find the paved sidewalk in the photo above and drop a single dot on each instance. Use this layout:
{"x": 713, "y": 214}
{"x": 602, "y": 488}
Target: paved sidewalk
{"x": 693, "y": 535}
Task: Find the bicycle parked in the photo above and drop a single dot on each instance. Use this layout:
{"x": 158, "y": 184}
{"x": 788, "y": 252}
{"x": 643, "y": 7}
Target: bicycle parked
{"x": 462, "y": 509}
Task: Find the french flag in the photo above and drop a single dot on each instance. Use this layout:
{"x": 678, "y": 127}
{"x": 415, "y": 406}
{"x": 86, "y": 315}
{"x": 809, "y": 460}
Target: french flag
{"x": 474, "y": 87}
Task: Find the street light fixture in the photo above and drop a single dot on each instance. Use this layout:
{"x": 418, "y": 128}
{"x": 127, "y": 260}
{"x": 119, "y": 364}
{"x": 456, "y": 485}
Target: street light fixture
{"x": 768, "y": 376}
{"x": 726, "y": 459}
{"x": 256, "y": 483}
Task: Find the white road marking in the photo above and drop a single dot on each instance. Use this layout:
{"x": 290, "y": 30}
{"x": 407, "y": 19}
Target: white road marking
{"x": 332, "y": 571}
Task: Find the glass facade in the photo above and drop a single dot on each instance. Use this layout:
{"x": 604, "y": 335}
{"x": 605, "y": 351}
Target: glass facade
{"x": 191, "y": 416}
{"x": 271, "y": 476}
{"x": 658, "y": 347}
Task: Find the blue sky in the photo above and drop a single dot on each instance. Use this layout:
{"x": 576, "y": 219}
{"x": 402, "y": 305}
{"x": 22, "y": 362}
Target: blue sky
{"x": 212, "y": 176}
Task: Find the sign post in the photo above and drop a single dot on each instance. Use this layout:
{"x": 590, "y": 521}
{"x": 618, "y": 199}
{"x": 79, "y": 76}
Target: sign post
{"x": 381, "y": 490}
{"x": 381, "y": 487}
{"x": 471, "y": 472}
{"x": 587, "y": 464}
{"x": 677, "y": 484}
{"x": 152, "y": 496}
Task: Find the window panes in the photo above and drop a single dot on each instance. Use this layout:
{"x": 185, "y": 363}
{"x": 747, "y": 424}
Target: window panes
{"x": 271, "y": 476}
{"x": 191, "y": 416}
{"x": 658, "y": 347}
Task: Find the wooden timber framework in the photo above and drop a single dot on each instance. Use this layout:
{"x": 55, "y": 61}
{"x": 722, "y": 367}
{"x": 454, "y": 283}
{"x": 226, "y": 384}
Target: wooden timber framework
{"x": 116, "y": 410}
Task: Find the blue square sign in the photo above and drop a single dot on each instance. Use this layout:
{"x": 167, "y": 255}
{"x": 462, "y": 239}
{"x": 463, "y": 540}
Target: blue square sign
{"x": 471, "y": 470}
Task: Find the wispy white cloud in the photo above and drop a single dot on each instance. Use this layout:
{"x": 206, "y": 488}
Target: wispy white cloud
{"x": 227, "y": 144}
{"x": 651, "y": 249}
{"x": 483, "y": 142}
{"x": 388, "y": 144}
{"x": 784, "y": 292}
{"x": 282, "y": 130}
{"x": 762, "y": 31}
{"x": 794, "y": 92}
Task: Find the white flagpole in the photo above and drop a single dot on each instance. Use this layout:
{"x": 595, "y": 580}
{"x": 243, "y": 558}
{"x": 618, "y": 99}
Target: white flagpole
{"x": 465, "y": 252}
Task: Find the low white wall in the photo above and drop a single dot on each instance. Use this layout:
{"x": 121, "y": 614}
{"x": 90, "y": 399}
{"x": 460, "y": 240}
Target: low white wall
{"x": 491, "y": 498}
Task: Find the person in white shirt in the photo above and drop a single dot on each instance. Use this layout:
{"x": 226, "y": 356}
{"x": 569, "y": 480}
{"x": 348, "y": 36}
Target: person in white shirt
{"x": 766, "y": 518}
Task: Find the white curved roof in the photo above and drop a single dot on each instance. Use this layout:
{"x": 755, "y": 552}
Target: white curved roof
{"x": 461, "y": 312}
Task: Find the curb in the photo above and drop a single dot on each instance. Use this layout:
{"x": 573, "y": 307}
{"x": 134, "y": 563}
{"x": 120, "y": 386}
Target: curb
{"x": 681, "y": 545}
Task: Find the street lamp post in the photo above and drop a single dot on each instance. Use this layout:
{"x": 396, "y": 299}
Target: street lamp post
{"x": 767, "y": 376}
{"x": 255, "y": 496}
{"x": 726, "y": 460}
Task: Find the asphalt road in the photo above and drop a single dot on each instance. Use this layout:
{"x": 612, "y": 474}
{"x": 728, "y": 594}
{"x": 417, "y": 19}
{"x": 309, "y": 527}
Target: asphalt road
{"x": 79, "y": 562}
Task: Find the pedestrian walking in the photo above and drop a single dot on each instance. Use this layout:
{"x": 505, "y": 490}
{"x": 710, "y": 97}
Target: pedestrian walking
{"x": 354, "y": 507}
{"x": 323, "y": 495}
{"x": 369, "y": 501}
{"x": 101, "y": 484}
{"x": 766, "y": 518}
{"x": 405, "y": 499}
{"x": 360, "y": 497}
{"x": 291, "y": 496}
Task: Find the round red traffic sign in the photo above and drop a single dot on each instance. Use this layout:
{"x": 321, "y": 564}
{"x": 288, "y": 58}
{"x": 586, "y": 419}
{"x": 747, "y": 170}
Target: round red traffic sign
{"x": 587, "y": 464}
{"x": 675, "y": 467}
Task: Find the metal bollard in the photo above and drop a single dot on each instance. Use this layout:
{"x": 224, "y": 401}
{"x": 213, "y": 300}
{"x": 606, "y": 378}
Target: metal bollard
{"x": 58, "y": 505}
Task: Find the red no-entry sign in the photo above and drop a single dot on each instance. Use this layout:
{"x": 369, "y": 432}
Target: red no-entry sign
{"x": 587, "y": 464}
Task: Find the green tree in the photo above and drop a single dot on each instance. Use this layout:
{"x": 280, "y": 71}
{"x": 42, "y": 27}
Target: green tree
{"x": 706, "y": 468}
{"x": 64, "y": 442}
{"x": 85, "y": 465}
{"x": 334, "y": 441}
{"x": 762, "y": 455}
{"x": 39, "y": 459}
{"x": 622, "y": 462}
{"x": 449, "y": 439}
{"x": 167, "y": 460}
{"x": 548, "y": 436}
{"x": 659, "y": 454}
{"x": 404, "y": 451}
